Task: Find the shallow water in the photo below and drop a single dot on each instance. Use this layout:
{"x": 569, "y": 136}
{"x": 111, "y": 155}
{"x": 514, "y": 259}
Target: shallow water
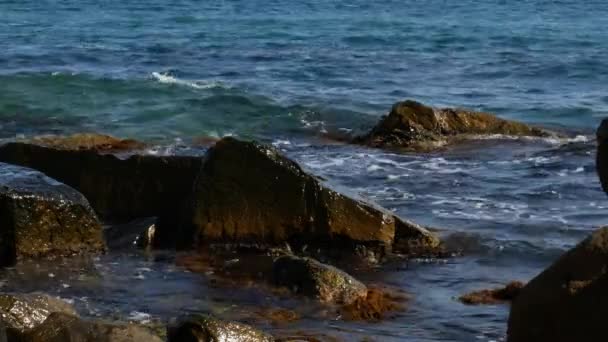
{"x": 290, "y": 72}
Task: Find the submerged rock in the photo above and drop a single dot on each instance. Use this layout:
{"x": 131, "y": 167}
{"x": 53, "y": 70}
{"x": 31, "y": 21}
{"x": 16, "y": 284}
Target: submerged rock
{"x": 569, "y": 300}
{"x": 412, "y": 125}
{"x": 60, "y": 327}
{"x": 374, "y": 306}
{"x": 247, "y": 192}
{"x": 118, "y": 189}
{"x": 602, "y": 154}
{"x": 311, "y": 278}
{"x": 495, "y": 296}
{"x": 42, "y": 217}
{"x": 26, "y": 311}
{"x": 203, "y": 328}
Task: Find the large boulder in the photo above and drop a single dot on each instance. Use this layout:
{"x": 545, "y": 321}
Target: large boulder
{"x": 42, "y": 217}
{"x": 204, "y": 328}
{"x": 569, "y": 300}
{"x": 118, "y": 189}
{"x": 248, "y": 192}
{"x": 26, "y": 311}
{"x": 412, "y": 125}
{"x": 60, "y": 327}
{"x": 602, "y": 153}
{"x": 311, "y": 278}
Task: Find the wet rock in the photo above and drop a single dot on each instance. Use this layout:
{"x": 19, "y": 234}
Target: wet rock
{"x": 414, "y": 240}
{"x": 88, "y": 142}
{"x": 60, "y": 327}
{"x": 201, "y": 328}
{"x": 118, "y": 189}
{"x": 374, "y": 306}
{"x": 250, "y": 193}
{"x": 569, "y": 300}
{"x": 495, "y": 296}
{"x": 602, "y": 154}
{"x": 412, "y": 125}
{"x": 42, "y": 217}
{"x": 311, "y": 278}
{"x": 26, "y": 311}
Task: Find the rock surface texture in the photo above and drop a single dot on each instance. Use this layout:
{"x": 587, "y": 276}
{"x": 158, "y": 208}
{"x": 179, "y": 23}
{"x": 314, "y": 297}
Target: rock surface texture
{"x": 42, "y": 217}
{"x": 200, "y": 328}
{"x": 118, "y": 189}
{"x": 248, "y": 192}
{"x": 412, "y": 125}
{"x": 568, "y": 301}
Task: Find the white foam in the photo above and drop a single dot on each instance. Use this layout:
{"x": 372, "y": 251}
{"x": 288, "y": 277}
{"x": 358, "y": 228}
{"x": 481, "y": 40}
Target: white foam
{"x": 197, "y": 84}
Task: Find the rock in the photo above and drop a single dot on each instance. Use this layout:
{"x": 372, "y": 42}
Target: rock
{"x": 42, "y": 217}
{"x": 247, "y": 192}
{"x": 311, "y": 278}
{"x": 26, "y": 311}
{"x": 60, "y": 327}
{"x": 569, "y": 300}
{"x": 201, "y": 328}
{"x": 602, "y": 153}
{"x": 412, "y": 125}
{"x": 495, "y": 296}
{"x": 414, "y": 240}
{"x": 374, "y": 306}
{"x": 88, "y": 142}
{"x": 118, "y": 189}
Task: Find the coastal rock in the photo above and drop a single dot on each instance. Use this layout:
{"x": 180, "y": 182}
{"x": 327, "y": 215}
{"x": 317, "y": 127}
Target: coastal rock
{"x": 88, "y": 142}
{"x": 602, "y": 154}
{"x": 202, "y": 328}
{"x": 118, "y": 189}
{"x": 412, "y": 125}
{"x": 59, "y": 327}
{"x": 568, "y": 301}
{"x": 311, "y": 278}
{"x": 42, "y": 217}
{"x": 495, "y": 296}
{"x": 26, "y": 311}
{"x": 250, "y": 193}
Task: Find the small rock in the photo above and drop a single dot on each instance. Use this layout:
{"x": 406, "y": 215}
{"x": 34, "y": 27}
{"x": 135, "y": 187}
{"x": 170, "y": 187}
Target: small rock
{"x": 311, "y": 278}
{"x": 89, "y": 142}
{"x": 26, "y": 311}
{"x": 495, "y": 296}
{"x": 374, "y": 306}
{"x": 60, "y": 327}
{"x": 202, "y": 328}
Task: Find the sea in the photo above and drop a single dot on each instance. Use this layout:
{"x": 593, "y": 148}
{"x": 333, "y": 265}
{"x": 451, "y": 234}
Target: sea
{"x": 295, "y": 74}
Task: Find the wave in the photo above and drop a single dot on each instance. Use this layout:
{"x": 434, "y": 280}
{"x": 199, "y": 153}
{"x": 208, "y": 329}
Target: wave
{"x": 198, "y": 84}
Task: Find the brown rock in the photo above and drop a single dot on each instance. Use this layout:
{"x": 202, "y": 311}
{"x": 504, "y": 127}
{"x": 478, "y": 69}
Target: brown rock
{"x": 201, "y": 328}
{"x": 412, "y": 125}
{"x": 88, "y": 142}
{"x": 60, "y": 327}
{"x": 311, "y": 278}
{"x": 26, "y": 311}
{"x": 250, "y": 193}
{"x": 495, "y": 296}
{"x": 568, "y": 301}
{"x": 118, "y": 189}
{"x": 374, "y": 306}
{"x": 40, "y": 217}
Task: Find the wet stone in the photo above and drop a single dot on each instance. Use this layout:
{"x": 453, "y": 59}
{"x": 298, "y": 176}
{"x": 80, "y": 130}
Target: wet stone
{"x": 204, "y": 328}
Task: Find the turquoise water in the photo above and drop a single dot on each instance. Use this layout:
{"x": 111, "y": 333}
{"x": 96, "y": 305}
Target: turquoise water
{"x": 290, "y": 72}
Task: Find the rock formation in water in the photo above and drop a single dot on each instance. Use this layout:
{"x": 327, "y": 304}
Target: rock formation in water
{"x": 118, "y": 189}
{"x": 248, "y": 192}
{"x": 496, "y": 296}
{"x": 40, "y": 217}
{"x": 204, "y": 328}
{"x": 413, "y": 126}
{"x": 568, "y": 300}
{"x": 602, "y": 154}
{"x": 308, "y": 277}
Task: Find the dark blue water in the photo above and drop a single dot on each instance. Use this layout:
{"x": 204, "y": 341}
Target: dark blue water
{"x": 287, "y": 72}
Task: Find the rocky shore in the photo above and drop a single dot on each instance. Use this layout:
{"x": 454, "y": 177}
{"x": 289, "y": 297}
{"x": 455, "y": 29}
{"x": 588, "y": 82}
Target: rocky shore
{"x": 289, "y": 227}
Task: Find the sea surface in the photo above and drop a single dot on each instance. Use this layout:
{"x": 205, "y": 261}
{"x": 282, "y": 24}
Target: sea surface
{"x": 296, "y": 73}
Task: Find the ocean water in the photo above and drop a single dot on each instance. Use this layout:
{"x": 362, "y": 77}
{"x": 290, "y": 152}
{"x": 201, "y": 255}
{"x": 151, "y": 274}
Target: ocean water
{"x": 292, "y": 73}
